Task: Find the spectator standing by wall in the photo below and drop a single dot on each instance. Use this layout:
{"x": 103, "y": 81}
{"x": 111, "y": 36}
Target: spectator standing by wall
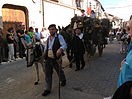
{"x": 20, "y": 34}
{"x": 10, "y": 41}
{"x": 44, "y": 35}
{"x": 15, "y": 43}
{"x": 37, "y": 34}
{"x": 1, "y": 45}
{"x": 27, "y": 39}
{"x": 31, "y": 32}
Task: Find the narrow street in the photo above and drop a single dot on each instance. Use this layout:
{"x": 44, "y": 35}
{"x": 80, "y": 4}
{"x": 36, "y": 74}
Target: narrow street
{"x": 96, "y": 81}
{"x": 25, "y": 24}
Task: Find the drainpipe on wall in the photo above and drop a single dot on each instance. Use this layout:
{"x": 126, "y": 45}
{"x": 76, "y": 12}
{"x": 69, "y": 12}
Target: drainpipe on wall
{"x": 43, "y": 12}
{"x": 74, "y": 12}
{"x": 1, "y": 22}
{"x": 87, "y": 7}
{"x": 73, "y": 5}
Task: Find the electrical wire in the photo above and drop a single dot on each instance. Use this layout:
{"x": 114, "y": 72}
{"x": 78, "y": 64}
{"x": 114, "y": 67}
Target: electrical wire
{"x": 119, "y": 7}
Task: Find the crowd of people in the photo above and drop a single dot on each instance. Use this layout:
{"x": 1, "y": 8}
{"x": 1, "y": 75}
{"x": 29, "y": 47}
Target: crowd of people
{"x": 123, "y": 37}
{"x": 18, "y": 40}
{"x": 54, "y": 47}
{"x": 124, "y": 89}
{"x": 92, "y": 14}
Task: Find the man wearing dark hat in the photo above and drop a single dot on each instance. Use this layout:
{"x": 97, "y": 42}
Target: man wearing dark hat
{"x": 53, "y": 52}
{"x": 78, "y": 49}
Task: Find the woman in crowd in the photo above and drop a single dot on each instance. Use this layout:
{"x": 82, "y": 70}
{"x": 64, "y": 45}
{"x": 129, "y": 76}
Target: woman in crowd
{"x": 10, "y": 41}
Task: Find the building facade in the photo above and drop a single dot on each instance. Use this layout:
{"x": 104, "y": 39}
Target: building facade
{"x": 38, "y": 13}
{"x": 95, "y": 5}
{"x": 41, "y": 13}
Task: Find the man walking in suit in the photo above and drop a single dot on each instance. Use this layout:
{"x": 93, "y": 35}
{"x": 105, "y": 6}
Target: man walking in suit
{"x": 78, "y": 49}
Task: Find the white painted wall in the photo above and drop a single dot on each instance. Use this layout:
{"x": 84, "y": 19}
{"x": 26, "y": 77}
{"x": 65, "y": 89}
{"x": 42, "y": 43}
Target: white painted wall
{"x": 56, "y": 14}
{"x": 92, "y": 3}
{"x": 67, "y": 2}
{"x": 53, "y": 13}
{"x": 84, "y": 4}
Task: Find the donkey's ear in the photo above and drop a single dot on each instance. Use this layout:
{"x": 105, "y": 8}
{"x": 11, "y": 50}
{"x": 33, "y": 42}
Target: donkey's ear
{"x": 62, "y": 27}
{"x": 59, "y": 28}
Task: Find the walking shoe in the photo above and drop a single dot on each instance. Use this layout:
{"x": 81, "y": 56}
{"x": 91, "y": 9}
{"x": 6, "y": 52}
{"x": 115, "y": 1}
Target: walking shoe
{"x": 77, "y": 69}
{"x": 45, "y": 93}
{"x": 36, "y": 83}
{"x": 13, "y": 59}
{"x": 70, "y": 66}
{"x": 21, "y": 57}
{"x": 9, "y": 60}
{"x": 82, "y": 66}
{"x": 63, "y": 83}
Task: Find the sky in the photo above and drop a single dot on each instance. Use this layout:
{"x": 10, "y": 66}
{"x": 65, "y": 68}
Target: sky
{"x": 119, "y": 8}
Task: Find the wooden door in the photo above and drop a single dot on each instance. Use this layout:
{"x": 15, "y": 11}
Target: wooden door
{"x": 12, "y": 18}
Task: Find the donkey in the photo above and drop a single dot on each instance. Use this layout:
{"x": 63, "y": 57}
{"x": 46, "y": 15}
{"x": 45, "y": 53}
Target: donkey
{"x": 67, "y": 34}
{"x": 34, "y": 57}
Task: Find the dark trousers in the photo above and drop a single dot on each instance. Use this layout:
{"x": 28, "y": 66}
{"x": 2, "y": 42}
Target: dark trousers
{"x": 49, "y": 65}
{"x": 1, "y": 55}
{"x": 15, "y": 51}
{"x": 21, "y": 50}
{"x": 79, "y": 59}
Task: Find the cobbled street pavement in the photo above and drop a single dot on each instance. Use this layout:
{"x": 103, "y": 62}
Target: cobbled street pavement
{"x": 97, "y": 80}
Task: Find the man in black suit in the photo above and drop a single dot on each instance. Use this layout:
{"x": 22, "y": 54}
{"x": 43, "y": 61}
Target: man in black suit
{"x": 78, "y": 49}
